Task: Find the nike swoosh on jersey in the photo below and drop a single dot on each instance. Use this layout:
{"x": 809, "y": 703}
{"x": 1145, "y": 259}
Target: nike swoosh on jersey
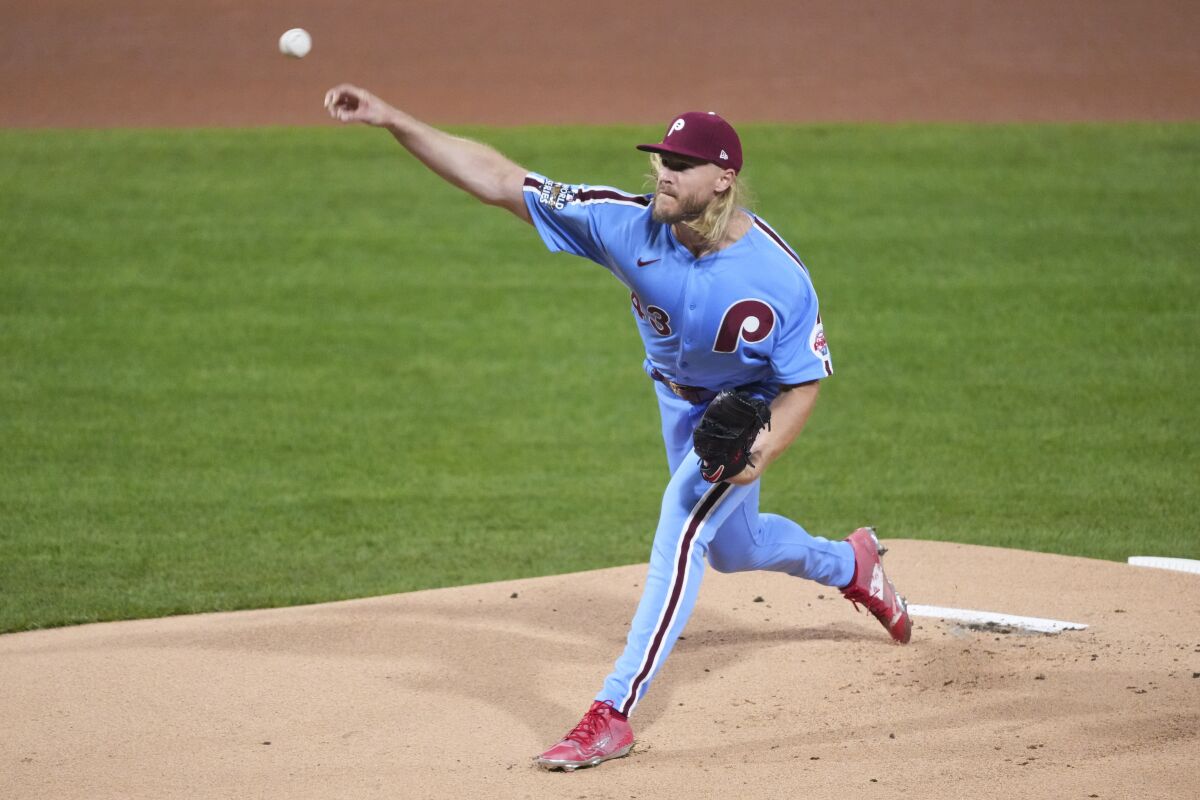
{"x": 645, "y": 263}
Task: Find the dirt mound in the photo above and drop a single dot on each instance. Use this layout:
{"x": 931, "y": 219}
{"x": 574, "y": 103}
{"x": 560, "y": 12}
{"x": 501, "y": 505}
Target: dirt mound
{"x": 449, "y": 693}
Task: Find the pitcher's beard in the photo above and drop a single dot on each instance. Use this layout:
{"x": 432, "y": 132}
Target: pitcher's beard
{"x": 683, "y": 212}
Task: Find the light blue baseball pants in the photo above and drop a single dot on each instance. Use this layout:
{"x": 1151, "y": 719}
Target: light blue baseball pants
{"x": 701, "y": 520}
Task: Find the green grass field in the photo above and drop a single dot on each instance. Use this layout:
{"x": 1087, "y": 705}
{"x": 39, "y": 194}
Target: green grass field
{"x": 254, "y": 368}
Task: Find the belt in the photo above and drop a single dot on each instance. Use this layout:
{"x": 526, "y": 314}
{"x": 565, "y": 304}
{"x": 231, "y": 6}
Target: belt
{"x": 695, "y": 395}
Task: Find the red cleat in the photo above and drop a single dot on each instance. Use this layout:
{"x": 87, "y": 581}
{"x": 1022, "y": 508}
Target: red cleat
{"x": 872, "y": 588}
{"x": 603, "y": 733}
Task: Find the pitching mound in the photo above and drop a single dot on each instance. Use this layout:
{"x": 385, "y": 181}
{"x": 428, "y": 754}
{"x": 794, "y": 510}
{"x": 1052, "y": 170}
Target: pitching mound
{"x": 448, "y": 693}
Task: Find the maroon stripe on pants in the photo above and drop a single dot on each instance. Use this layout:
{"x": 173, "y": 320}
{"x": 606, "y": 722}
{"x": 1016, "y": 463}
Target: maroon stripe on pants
{"x": 676, "y": 591}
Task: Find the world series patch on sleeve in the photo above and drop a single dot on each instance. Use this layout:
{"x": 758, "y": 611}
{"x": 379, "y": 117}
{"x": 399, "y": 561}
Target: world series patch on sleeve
{"x": 557, "y": 195}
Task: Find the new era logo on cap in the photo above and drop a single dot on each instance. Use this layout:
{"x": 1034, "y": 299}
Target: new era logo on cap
{"x": 705, "y": 136}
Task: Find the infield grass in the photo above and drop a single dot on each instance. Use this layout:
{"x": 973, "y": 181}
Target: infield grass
{"x": 254, "y": 368}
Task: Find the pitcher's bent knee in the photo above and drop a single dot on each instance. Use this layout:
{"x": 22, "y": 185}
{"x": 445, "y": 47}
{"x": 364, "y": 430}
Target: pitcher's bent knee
{"x": 723, "y": 561}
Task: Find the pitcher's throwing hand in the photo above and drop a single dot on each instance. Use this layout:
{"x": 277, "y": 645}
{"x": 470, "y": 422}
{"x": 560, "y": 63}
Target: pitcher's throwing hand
{"x": 347, "y": 103}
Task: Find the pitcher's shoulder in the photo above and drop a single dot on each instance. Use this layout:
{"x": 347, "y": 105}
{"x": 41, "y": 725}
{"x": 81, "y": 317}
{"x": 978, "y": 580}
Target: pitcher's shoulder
{"x": 772, "y": 242}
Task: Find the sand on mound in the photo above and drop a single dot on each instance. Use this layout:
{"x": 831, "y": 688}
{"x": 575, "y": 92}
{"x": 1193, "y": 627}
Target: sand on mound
{"x": 449, "y": 693}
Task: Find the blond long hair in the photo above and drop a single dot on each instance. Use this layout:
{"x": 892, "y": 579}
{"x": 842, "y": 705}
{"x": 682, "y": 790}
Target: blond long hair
{"x": 713, "y": 223}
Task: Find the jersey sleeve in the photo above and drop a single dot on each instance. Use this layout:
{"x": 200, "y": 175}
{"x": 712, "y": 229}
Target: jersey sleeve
{"x": 568, "y": 217}
{"x": 802, "y": 354}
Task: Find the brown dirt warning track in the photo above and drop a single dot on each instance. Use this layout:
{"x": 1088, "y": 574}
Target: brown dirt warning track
{"x": 214, "y": 62}
{"x": 448, "y": 693}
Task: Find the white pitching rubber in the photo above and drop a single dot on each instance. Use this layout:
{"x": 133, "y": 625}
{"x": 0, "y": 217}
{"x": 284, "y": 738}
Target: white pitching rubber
{"x": 971, "y": 617}
{"x": 1159, "y": 562}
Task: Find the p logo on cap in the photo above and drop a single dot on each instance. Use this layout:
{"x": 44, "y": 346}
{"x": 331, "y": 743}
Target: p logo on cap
{"x": 700, "y": 135}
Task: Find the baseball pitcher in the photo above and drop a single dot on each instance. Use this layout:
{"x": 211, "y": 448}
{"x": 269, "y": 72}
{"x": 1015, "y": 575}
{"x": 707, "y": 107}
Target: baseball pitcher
{"x": 735, "y": 352}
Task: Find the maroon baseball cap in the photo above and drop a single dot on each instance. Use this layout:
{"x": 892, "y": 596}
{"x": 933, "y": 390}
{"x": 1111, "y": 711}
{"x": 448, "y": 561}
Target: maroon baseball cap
{"x": 701, "y": 135}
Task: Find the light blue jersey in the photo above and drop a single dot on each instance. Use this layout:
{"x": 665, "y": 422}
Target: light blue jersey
{"x": 745, "y": 316}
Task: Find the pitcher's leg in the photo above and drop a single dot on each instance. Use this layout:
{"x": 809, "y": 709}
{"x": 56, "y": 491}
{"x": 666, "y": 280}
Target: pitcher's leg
{"x": 691, "y": 511}
{"x": 784, "y": 546}
{"x": 748, "y": 540}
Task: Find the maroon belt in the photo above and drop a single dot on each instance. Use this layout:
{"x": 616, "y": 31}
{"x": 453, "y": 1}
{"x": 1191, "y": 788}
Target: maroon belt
{"x": 693, "y": 394}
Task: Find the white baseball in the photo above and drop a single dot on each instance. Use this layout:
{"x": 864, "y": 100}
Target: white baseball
{"x": 295, "y": 43}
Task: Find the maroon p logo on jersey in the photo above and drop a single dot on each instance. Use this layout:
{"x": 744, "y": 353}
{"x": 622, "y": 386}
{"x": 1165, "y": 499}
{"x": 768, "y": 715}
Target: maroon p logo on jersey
{"x": 749, "y": 320}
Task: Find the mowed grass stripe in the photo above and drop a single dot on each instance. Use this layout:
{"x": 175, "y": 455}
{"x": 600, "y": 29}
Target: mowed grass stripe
{"x": 249, "y": 368}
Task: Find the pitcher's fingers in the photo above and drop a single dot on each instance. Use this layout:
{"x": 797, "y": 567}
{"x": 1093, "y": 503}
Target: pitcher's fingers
{"x": 339, "y": 93}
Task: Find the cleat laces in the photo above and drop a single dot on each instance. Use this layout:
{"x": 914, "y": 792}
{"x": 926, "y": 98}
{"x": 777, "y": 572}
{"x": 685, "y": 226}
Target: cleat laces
{"x": 591, "y": 724}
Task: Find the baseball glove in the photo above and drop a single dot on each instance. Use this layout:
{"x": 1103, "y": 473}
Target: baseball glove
{"x": 727, "y": 431}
